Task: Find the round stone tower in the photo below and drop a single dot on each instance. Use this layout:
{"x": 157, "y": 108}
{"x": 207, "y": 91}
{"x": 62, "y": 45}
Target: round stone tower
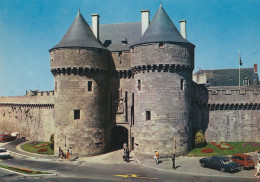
{"x": 80, "y": 66}
{"x": 162, "y": 63}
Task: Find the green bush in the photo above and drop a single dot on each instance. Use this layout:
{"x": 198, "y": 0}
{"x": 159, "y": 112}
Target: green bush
{"x": 200, "y": 139}
{"x": 52, "y": 141}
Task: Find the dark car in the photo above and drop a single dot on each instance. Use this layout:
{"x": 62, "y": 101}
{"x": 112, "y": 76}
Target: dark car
{"x": 220, "y": 163}
{"x": 244, "y": 160}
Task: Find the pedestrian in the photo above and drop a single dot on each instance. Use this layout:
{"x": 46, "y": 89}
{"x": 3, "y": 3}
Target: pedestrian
{"x": 124, "y": 146}
{"x": 258, "y": 155}
{"x": 60, "y": 153}
{"x": 257, "y": 174}
{"x": 70, "y": 151}
{"x": 156, "y": 157}
{"x": 127, "y": 154}
{"x": 68, "y": 156}
{"x": 173, "y": 161}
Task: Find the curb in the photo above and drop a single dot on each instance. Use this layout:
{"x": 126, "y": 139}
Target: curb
{"x": 178, "y": 172}
{"x": 51, "y": 174}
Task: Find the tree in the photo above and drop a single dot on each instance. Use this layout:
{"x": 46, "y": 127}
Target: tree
{"x": 52, "y": 141}
{"x": 200, "y": 139}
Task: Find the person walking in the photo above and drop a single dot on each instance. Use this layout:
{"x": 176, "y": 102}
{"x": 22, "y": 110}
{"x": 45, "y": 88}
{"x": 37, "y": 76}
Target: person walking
{"x": 124, "y": 146}
{"x": 156, "y": 157}
{"x": 127, "y": 154}
{"x": 70, "y": 151}
{"x": 68, "y": 156}
{"x": 60, "y": 153}
{"x": 173, "y": 161}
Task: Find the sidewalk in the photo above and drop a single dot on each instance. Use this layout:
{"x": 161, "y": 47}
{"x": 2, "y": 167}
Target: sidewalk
{"x": 185, "y": 165}
{"x": 191, "y": 165}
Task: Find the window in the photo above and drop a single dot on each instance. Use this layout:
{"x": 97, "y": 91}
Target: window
{"x": 89, "y": 85}
{"x": 55, "y": 86}
{"x": 246, "y": 81}
{"x": 148, "y": 115}
{"x": 120, "y": 57}
{"x": 182, "y": 84}
{"x": 76, "y": 114}
{"x": 139, "y": 85}
{"x": 161, "y": 45}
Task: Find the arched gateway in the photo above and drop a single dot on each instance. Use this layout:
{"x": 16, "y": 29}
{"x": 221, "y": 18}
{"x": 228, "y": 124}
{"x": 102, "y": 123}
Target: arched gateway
{"x": 119, "y": 136}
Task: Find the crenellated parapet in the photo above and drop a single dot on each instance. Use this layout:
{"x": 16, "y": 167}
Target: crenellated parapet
{"x": 81, "y": 71}
{"x": 255, "y": 90}
{"x": 14, "y": 105}
{"x": 236, "y": 106}
{"x": 234, "y": 98}
{"x": 160, "y": 68}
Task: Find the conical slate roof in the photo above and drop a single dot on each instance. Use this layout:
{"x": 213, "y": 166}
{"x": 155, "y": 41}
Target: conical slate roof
{"x": 79, "y": 35}
{"x": 161, "y": 29}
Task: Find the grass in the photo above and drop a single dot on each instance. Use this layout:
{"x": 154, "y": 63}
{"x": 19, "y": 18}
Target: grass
{"x": 238, "y": 148}
{"x": 30, "y": 147}
{"x": 22, "y": 170}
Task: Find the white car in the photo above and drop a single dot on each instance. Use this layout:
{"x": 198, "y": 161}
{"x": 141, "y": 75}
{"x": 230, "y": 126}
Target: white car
{"x": 4, "y": 154}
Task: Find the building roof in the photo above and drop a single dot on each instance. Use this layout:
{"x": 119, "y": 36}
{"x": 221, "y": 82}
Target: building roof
{"x": 79, "y": 35}
{"x": 229, "y": 77}
{"x": 161, "y": 29}
{"x": 112, "y": 35}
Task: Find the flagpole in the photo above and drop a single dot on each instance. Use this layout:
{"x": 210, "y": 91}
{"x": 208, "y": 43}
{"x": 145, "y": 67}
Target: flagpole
{"x": 239, "y": 68}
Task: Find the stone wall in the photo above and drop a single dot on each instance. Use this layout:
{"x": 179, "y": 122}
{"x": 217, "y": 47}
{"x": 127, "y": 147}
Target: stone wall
{"x": 234, "y": 114}
{"x": 31, "y": 116}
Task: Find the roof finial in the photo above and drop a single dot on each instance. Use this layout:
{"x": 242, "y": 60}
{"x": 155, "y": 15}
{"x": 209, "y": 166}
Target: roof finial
{"x": 79, "y": 10}
{"x": 161, "y": 3}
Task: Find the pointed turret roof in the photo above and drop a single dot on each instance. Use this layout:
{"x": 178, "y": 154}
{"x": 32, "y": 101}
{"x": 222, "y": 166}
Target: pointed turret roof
{"x": 161, "y": 29}
{"x": 79, "y": 35}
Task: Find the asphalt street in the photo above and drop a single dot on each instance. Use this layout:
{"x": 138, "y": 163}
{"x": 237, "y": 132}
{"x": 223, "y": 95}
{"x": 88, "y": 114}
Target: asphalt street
{"x": 102, "y": 172}
{"x": 111, "y": 167}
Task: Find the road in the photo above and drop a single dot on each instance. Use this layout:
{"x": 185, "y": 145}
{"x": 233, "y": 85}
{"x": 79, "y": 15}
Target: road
{"x": 71, "y": 172}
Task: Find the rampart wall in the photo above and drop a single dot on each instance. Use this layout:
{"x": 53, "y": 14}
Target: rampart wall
{"x": 234, "y": 114}
{"x": 31, "y": 116}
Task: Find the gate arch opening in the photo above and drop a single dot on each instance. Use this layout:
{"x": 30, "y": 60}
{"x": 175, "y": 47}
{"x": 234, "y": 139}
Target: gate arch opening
{"x": 119, "y": 136}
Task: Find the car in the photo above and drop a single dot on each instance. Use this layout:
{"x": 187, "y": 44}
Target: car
{"x": 4, "y": 154}
{"x": 246, "y": 161}
{"x": 5, "y": 137}
{"x": 221, "y": 163}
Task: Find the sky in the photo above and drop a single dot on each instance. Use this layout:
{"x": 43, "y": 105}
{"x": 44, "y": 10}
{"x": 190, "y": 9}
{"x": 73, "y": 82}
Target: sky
{"x": 29, "y": 28}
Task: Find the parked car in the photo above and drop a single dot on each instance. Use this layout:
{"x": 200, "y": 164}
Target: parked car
{"x": 4, "y": 137}
{"x": 4, "y": 154}
{"x": 246, "y": 161}
{"x": 220, "y": 163}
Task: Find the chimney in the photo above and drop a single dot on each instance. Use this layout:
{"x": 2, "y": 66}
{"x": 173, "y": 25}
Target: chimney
{"x": 183, "y": 28}
{"x": 145, "y": 20}
{"x": 255, "y": 68}
{"x": 95, "y": 25}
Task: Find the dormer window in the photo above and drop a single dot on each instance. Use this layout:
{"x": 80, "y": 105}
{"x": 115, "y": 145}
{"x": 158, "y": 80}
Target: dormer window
{"x": 124, "y": 41}
{"x": 246, "y": 81}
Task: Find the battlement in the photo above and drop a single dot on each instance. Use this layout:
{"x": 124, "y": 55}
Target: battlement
{"x": 252, "y": 90}
{"x": 45, "y": 93}
{"x": 31, "y": 97}
{"x": 234, "y": 95}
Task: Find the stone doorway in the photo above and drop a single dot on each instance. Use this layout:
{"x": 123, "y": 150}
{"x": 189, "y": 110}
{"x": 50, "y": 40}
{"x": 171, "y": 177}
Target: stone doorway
{"x": 119, "y": 136}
